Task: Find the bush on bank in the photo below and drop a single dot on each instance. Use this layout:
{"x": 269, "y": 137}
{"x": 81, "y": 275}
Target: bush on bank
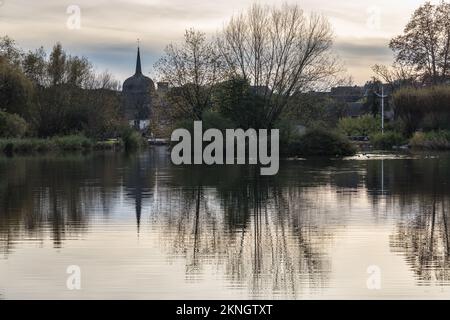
{"x": 427, "y": 108}
{"x": 319, "y": 142}
{"x": 132, "y": 140}
{"x": 387, "y": 140}
{"x": 433, "y": 140}
{"x": 359, "y": 127}
{"x": 12, "y": 125}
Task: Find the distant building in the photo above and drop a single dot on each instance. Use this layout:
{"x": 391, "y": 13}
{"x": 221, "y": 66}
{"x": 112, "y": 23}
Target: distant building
{"x": 350, "y": 100}
{"x": 347, "y": 94}
{"x": 137, "y": 98}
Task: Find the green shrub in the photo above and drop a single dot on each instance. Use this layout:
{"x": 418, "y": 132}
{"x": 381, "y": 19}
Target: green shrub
{"x": 33, "y": 145}
{"x": 215, "y": 120}
{"x": 29, "y": 145}
{"x": 387, "y": 140}
{"x": 320, "y": 142}
{"x": 435, "y": 140}
{"x": 428, "y": 108}
{"x": 289, "y": 134}
{"x": 12, "y": 125}
{"x": 132, "y": 140}
{"x": 210, "y": 120}
{"x": 361, "y": 126}
{"x": 72, "y": 143}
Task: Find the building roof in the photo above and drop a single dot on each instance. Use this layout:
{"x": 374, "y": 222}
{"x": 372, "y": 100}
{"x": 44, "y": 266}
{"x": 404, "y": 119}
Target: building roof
{"x": 138, "y": 82}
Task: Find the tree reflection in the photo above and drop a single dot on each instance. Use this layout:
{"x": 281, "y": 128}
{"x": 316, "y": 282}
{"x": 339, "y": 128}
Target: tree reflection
{"x": 53, "y": 195}
{"x": 268, "y": 234}
{"x": 422, "y": 235}
{"x": 251, "y": 228}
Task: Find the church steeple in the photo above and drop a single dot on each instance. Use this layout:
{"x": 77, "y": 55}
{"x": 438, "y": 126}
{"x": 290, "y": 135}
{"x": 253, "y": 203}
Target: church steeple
{"x": 138, "y": 63}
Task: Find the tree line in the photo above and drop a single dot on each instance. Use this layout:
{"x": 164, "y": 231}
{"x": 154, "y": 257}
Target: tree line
{"x": 56, "y": 94}
{"x": 265, "y": 68}
{"x": 421, "y": 71}
{"x": 244, "y": 77}
{"x": 253, "y": 68}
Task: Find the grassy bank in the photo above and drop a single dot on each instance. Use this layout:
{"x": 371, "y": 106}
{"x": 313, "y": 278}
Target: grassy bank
{"x": 431, "y": 140}
{"x": 11, "y": 146}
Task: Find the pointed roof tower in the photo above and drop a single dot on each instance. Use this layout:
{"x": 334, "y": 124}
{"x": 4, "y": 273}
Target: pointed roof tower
{"x": 138, "y": 62}
{"x": 137, "y": 91}
{"x": 138, "y": 82}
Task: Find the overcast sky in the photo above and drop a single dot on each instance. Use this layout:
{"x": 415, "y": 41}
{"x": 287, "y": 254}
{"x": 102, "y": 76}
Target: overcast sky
{"x": 109, "y": 29}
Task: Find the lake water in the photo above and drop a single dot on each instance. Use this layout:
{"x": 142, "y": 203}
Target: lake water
{"x": 372, "y": 226}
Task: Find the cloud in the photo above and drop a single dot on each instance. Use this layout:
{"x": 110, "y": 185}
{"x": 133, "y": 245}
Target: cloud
{"x": 359, "y": 55}
{"x": 371, "y": 48}
{"x": 109, "y": 28}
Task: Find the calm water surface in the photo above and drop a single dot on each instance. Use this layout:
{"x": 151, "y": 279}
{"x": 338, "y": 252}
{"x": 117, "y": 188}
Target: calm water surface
{"x": 139, "y": 227}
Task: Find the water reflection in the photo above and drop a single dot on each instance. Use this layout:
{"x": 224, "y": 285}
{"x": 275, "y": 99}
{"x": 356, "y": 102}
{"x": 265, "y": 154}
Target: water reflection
{"x": 250, "y": 226}
{"x": 422, "y": 236}
{"x": 272, "y": 236}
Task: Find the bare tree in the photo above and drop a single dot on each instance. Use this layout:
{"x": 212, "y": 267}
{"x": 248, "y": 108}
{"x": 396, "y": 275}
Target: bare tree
{"x": 397, "y": 76}
{"x": 280, "y": 52}
{"x": 9, "y": 52}
{"x": 56, "y": 65}
{"x": 34, "y": 66}
{"x": 78, "y": 71}
{"x": 192, "y": 69}
{"x": 425, "y": 44}
{"x": 103, "y": 80}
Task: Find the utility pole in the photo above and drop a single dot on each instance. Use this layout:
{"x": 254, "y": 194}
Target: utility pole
{"x": 382, "y": 96}
{"x": 382, "y": 109}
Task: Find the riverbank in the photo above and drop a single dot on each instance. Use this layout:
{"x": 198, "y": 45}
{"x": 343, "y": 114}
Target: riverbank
{"x": 318, "y": 143}
{"x": 56, "y": 144}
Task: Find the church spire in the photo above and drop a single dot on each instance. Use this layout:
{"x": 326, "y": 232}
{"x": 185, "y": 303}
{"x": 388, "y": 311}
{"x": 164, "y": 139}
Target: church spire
{"x": 138, "y": 62}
